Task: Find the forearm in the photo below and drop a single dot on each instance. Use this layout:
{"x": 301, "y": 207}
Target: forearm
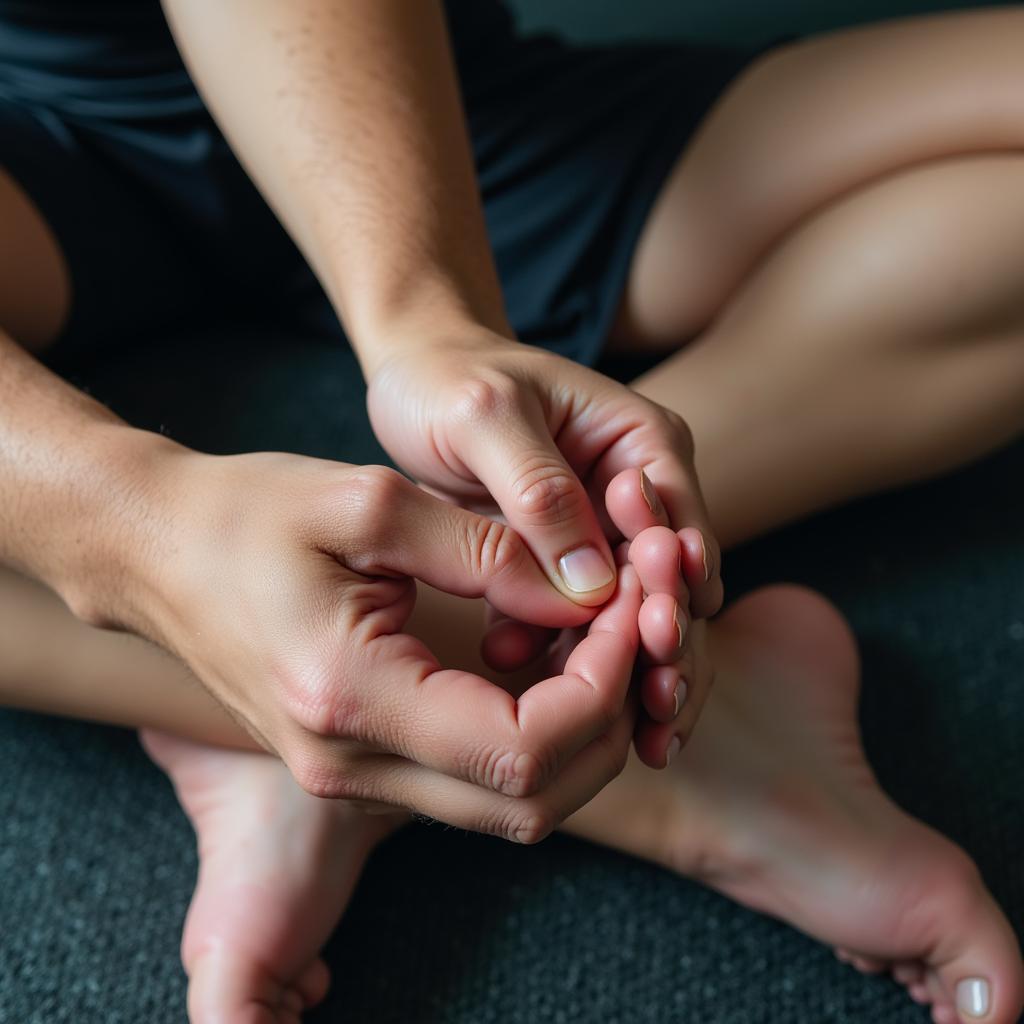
{"x": 77, "y": 501}
{"x": 349, "y": 119}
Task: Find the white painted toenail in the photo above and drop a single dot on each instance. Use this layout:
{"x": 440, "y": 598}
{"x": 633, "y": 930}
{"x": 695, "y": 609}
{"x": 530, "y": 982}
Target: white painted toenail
{"x": 673, "y": 748}
{"x": 972, "y": 996}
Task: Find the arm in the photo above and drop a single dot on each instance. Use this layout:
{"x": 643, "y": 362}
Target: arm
{"x": 80, "y": 491}
{"x": 348, "y": 117}
{"x": 284, "y": 583}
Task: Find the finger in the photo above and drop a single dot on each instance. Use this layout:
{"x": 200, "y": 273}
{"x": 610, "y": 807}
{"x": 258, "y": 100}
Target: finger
{"x": 656, "y": 554}
{"x": 687, "y": 513}
{"x": 398, "y": 699}
{"x": 659, "y": 739}
{"x": 389, "y": 526}
{"x": 701, "y": 572}
{"x": 664, "y": 447}
{"x": 507, "y": 444}
{"x": 509, "y": 645}
{"x": 521, "y": 820}
{"x": 662, "y": 692}
{"x": 663, "y": 627}
{"x": 633, "y": 503}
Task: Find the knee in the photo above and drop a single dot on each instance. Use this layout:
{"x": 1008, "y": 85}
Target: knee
{"x": 932, "y": 253}
{"x": 35, "y": 286}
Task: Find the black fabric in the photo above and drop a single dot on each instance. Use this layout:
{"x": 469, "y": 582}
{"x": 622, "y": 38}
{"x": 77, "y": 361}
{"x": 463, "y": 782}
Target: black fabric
{"x": 97, "y": 861}
{"x": 159, "y": 223}
{"x": 115, "y": 61}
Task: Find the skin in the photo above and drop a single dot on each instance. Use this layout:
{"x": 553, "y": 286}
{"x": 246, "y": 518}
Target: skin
{"x": 114, "y": 519}
{"x": 925, "y": 105}
{"x": 781, "y": 814}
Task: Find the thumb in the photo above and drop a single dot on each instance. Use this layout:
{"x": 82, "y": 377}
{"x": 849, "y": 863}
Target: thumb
{"x": 395, "y": 528}
{"x": 511, "y": 452}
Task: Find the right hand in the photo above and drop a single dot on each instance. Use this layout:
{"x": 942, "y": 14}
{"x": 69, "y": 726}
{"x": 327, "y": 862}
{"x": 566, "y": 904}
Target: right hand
{"x": 286, "y": 590}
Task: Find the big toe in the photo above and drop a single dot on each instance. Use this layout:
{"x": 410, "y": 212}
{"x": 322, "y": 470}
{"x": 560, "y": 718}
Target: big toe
{"x": 975, "y": 971}
{"x": 227, "y": 988}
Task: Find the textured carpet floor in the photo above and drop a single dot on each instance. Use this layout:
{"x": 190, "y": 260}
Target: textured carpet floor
{"x": 97, "y": 861}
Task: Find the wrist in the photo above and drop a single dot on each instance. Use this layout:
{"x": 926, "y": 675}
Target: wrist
{"x": 432, "y": 318}
{"x": 122, "y": 535}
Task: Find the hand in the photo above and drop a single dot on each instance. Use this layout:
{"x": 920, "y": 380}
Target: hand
{"x": 675, "y": 672}
{"x": 492, "y": 424}
{"x": 287, "y": 589}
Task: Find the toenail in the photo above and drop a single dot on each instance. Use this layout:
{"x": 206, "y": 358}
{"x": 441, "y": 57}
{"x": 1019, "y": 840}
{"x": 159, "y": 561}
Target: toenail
{"x": 705, "y": 559}
{"x": 673, "y": 748}
{"x": 972, "y": 996}
{"x": 680, "y": 618}
{"x": 650, "y": 494}
{"x": 679, "y": 696}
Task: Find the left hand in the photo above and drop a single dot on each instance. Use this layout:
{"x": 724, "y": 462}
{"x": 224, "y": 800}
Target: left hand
{"x": 495, "y": 425}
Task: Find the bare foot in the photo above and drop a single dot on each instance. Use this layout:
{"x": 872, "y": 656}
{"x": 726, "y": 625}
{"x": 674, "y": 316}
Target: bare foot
{"x": 774, "y": 804}
{"x": 276, "y": 869}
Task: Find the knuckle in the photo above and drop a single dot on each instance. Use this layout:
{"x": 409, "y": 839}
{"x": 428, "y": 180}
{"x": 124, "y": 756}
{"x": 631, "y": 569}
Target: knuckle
{"x": 545, "y": 494}
{"x": 529, "y": 824}
{"x": 492, "y": 548}
{"x": 679, "y": 433}
{"x": 315, "y": 701}
{"x": 370, "y": 491}
{"x": 514, "y": 773}
{"x": 482, "y": 399}
{"x": 328, "y": 778}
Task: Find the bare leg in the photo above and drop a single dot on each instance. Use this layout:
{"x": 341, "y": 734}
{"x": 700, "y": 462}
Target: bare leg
{"x": 773, "y": 803}
{"x": 843, "y": 239}
{"x": 277, "y": 866}
{"x": 881, "y": 342}
{"x": 773, "y": 813}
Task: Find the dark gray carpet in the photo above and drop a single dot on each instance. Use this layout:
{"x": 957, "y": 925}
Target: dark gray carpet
{"x": 97, "y": 861}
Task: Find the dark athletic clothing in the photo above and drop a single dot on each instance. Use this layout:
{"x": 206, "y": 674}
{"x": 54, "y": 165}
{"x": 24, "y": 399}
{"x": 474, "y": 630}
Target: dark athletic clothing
{"x": 101, "y": 125}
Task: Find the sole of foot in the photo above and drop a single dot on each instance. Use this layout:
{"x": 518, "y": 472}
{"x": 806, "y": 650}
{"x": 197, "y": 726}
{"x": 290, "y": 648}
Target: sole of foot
{"x": 773, "y": 804}
{"x": 276, "y": 870}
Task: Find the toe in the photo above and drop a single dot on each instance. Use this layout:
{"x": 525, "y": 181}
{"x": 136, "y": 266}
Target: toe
{"x": 908, "y": 972}
{"x": 920, "y": 994}
{"x": 226, "y": 988}
{"x": 944, "y": 1013}
{"x": 292, "y": 1001}
{"x": 976, "y": 960}
{"x": 314, "y": 982}
{"x": 869, "y": 964}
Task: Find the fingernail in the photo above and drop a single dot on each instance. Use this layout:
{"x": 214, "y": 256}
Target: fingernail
{"x": 972, "y": 996}
{"x": 583, "y": 570}
{"x": 680, "y": 694}
{"x": 705, "y": 559}
{"x": 673, "y": 748}
{"x": 680, "y": 625}
{"x": 649, "y": 493}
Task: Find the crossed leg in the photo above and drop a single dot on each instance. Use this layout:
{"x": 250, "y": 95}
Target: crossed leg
{"x": 840, "y": 252}
{"x": 813, "y": 280}
{"x": 781, "y": 813}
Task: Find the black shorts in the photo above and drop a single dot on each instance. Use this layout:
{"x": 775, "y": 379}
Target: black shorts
{"x": 160, "y": 225}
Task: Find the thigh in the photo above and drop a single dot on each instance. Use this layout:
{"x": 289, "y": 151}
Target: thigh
{"x": 572, "y": 144}
{"x": 35, "y": 286}
{"x": 804, "y": 125}
{"x": 84, "y": 257}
